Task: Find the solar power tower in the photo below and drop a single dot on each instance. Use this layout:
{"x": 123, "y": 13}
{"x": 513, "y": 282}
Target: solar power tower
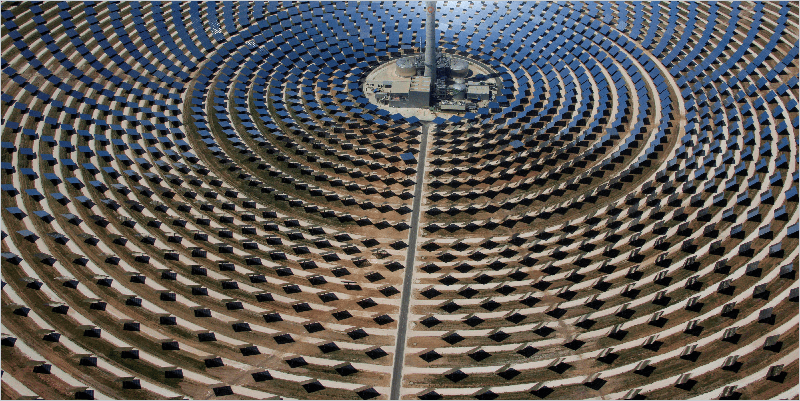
{"x": 430, "y": 41}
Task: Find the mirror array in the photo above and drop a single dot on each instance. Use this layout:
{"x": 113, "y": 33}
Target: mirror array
{"x": 199, "y": 201}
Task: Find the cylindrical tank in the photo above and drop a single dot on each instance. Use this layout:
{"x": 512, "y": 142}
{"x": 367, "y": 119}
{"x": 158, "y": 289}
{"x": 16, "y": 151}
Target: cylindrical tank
{"x": 459, "y": 68}
{"x": 406, "y": 67}
{"x": 459, "y": 91}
